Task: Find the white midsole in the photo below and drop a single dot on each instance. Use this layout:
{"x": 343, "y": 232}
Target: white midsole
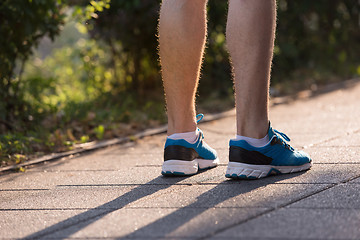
{"x": 259, "y": 171}
{"x": 188, "y": 167}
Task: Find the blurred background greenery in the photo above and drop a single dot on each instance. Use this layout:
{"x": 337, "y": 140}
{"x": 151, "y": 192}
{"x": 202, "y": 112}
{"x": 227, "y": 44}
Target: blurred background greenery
{"x": 72, "y": 71}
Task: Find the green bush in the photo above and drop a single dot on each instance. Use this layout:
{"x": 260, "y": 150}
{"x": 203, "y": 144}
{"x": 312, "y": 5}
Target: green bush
{"x": 23, "y": 24}
{"x": 128, "y": 28}
{"x": 317, "y": 41}
{"x": 106, "y": 81}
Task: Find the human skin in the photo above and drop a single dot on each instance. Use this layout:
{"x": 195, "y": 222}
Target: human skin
{"x": 250, "y": 39}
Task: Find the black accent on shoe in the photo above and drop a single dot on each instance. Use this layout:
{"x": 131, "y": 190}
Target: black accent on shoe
{"x": 241, "y": 155}
{"x": 176, "y": 152}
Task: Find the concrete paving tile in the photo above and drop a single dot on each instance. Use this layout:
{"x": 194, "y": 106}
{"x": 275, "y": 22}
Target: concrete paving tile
{"x": 104, "y": 162}
{"x": 341, "y": 196}
{"x": 299, "y": 224}
{"x": 355, "y": 181}
{"x": 158, "y": 223}
{"x": 19, "y": 224}
{"x": 107, "y": 160}
{"x": 142, "y": 152}
{"x": 313, "y": 115}
{"x": 242, "y": 195}
{"x": 315, "y": 124}
{"x": 112, "y": 158}
{"x": 348, "y": 140}
{"x": 75, "y": 198}
{"x": 133, "y": 175}
{"x": 301, "y": 141}
{"x": 342, "y": 155}
{"x": 249, "y": 194}
{"x": 326, "y": 173}
{"x": 118, "y": 191}
{"x": 318, "y": 174}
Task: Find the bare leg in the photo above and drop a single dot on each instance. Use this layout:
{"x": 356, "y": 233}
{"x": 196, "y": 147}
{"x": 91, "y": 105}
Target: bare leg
{"x": 182, "y": 34}
{"x": 250, "y": 39}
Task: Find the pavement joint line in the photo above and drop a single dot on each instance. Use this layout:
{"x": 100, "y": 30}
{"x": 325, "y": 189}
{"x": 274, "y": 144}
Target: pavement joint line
{"x": 349, "y": 179}
{"x": 23, "y": 190}
{"x": 150, "y": 165}
{"x": 268, "y": 238}
{"x": 194, "y": 237}
{"x": 284, "y": 206}
{"x": 338, "y": 146}
{"x": 335, "y": 163}
{"x": 185, "y": 184}
{"x": 106, "y": 211}
{"x": 141, "y": 166}
{"x": 73, "y": 170}
{"x": 266, "y": 212}
{"x": 43, "y": 234}
{"x": 281, "y": 206}
{"x": 220, "y": 165}
{"x": 129, "y": 185}
{"x": 125, "y": 184}
{"x": 133, "y": 154}
{"x": 110, "y": 208}
{"x": 326, "y": 208}
{"x": 46, "y": 209}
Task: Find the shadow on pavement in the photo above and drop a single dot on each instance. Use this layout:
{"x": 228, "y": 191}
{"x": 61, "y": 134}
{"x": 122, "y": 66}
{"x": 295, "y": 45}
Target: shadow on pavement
{"x": 76, "y": 223}
{"x": 178, "y": 218}
{"x": 170, "y": 223}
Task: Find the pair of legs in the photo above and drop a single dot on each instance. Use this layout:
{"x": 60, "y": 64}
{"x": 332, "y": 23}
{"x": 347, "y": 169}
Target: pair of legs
{"x": 258, "y": 150}
{"x": 250, "y": 36}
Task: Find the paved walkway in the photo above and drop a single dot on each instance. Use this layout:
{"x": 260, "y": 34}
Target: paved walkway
{"x": 118, "y": 192}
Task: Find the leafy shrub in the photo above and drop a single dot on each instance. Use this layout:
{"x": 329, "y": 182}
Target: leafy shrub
{"x": 23, "y": 24}
{"x": 107, "y": 82}
{"x": 317, "y": 41}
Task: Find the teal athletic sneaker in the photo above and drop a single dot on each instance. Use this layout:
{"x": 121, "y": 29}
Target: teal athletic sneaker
{"x": 184, "y": 158}
{"x": 277, "y": 157}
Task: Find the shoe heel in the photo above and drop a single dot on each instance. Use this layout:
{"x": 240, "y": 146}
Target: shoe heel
{"x": 206, "y": 164}
{"x": 179, "y": 167}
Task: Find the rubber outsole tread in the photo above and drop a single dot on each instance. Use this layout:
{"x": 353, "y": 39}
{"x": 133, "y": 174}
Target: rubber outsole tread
{"x": 168, "y": 173}
{"x": 272, "y": 171}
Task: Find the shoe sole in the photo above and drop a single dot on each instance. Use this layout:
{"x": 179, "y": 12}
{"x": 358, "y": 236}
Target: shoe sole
{"x": 247, "y": 171}
{"x": 183, "y": 168}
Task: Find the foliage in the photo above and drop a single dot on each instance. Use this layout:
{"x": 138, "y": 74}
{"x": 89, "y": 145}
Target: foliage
{"x": 132, "y": 43}
{"x": 300, "y": 55}
{"x": 105, "y": 82}
{"x": 216, "y": 67}
{"x": 23, "y": 23}
{"x": 317, "y": 41}
{"x": 84, "y": 11}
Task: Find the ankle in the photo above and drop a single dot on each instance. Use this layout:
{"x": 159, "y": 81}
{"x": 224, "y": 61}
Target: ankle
{"x": 181, "y": 128}
{"x": 253, "y": 130}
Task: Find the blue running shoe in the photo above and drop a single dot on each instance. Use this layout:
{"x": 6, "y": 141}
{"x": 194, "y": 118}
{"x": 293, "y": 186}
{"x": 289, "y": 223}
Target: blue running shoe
{"x": 184, "y": 158}
{"x": 277, "y": 157}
